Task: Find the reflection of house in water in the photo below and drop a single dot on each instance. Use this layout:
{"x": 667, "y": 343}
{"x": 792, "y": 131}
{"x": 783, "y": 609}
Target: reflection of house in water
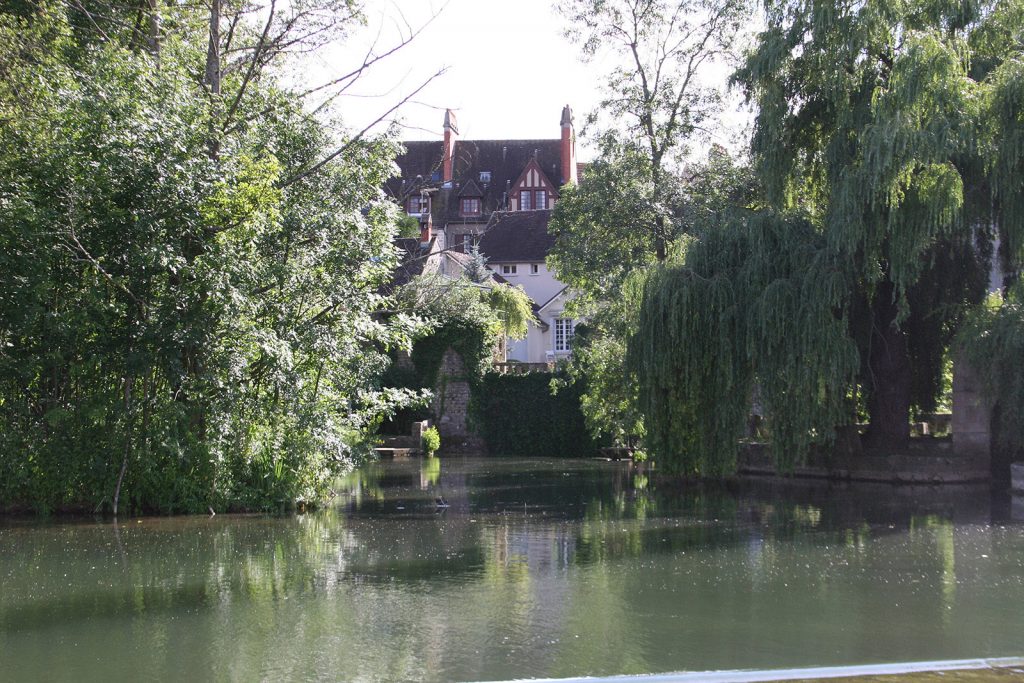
{"x": 552, "y": 546}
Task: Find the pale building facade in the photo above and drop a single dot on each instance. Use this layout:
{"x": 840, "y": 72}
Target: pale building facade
{"x": 496, "y": 195}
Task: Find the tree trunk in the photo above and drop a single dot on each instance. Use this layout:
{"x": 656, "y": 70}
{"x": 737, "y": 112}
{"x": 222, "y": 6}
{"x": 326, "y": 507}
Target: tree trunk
{"x": 153, "y": 28}
{"x": 213, "y": 50}
{"x": 127, "y": 441}
{"x": 660, "y": 249}
{"x": 889, "y": 375}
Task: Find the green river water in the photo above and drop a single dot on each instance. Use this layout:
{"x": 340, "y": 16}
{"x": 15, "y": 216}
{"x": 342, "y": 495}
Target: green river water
{"x": 537, "y": 568}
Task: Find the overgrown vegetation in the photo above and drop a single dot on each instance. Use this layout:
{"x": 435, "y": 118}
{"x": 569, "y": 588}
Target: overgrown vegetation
{"x": 467, "y": 317}
{"x": 189, "y": 261}
{"x": 520, "y": 415}
{"x": 887, "y": 150}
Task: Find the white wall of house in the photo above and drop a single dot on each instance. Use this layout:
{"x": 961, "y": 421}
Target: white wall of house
{"x": 551, "y": 314}
{"x": 539, "y": 345}
{"x": 519, "y": 349}
{"x": 539, "y": 286}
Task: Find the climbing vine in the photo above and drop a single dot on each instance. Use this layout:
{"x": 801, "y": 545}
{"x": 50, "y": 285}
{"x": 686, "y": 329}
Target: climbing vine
{"x": 463, "y": 316}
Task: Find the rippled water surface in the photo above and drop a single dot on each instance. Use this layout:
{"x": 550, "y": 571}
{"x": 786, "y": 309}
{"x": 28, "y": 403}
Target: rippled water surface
{"x": 537, "y": 568}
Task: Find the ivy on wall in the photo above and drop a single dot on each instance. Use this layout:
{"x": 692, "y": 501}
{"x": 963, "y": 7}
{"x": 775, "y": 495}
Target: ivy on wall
{"x": 518, "y": 415}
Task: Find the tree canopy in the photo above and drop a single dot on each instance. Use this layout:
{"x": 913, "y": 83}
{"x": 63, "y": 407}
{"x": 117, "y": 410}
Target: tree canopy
{"x": 885, "y": 135}
{"x": 190, "y": 262}
{"x": 634, "y": 201}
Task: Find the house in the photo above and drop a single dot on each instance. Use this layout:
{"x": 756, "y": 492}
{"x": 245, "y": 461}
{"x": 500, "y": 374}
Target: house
{"x": 497, "y": 195}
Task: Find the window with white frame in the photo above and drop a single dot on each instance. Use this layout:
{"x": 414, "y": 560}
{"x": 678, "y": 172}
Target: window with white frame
{"x": 542, "y": 199}
{"x": 508, "y": 269}
{"x": 534, "y": 268}
{"x": 524, "y": 200}
{"x": 564, "y": 328}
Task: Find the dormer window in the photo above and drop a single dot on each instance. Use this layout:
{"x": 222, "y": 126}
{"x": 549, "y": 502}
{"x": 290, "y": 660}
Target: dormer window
{"x": 416, "y": 204}
{"x": 532, "y": 191}
{"x": 469, "y": 206}
{"x": 485, "y": 176}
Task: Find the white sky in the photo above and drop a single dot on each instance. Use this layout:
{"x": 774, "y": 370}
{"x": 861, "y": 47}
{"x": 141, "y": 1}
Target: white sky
{"x": 510, "y": 70}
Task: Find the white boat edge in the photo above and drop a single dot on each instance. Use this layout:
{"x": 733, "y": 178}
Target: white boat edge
{"x": 794, "y": 674}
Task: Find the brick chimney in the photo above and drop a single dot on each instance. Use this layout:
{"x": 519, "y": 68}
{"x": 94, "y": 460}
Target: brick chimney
{"x": 426, "y": 228}
{"x": 568, "y": 147}
{"x": 451, "y": 132}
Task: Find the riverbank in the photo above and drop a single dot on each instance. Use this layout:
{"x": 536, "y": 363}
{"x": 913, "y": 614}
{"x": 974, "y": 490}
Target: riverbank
{"x": 933, "y": 461}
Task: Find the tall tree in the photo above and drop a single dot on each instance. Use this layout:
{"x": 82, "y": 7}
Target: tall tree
{"x": 630, "y": 205}
{"x": 883, "y": 152}
{"x": 189, "y": 276}
{"x": 657, "y": 95}
{"x": 867, "y": 117}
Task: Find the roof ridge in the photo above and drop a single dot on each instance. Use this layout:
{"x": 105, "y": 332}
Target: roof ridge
{"x": 553, "y": 297}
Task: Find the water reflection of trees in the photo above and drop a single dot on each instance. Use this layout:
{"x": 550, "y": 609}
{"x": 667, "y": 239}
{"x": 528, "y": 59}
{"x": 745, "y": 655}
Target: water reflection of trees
{"x": 613, "y": 573}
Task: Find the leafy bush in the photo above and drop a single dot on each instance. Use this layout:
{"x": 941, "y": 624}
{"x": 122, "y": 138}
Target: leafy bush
{"x": 430, "y": 441}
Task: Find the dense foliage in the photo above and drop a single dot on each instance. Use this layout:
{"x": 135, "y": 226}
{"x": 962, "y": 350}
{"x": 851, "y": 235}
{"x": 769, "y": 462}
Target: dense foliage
{"x": 606, "y": 263}
{"x": 188, "y": 290}
{"x": 464, "y": 316}
{"x": 635, "y": 199}
{"x": 754, "y": 298}
{"x": 888, "y": 152}
{"x": 519, "y": 415}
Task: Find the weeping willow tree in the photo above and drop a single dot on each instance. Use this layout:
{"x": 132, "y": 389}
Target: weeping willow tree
{"x": 513, "y": 309}
{"x": 759, "y": 298}
{"x": 901, "y": 153}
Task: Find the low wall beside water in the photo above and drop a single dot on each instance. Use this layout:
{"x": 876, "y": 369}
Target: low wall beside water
{"x": 930, "y": 461}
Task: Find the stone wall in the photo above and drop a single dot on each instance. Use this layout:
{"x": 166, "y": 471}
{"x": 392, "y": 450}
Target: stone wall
{"x": 931, "y": 461}
{"x": 450, "y": 406}
{"x": 972, "y": 416}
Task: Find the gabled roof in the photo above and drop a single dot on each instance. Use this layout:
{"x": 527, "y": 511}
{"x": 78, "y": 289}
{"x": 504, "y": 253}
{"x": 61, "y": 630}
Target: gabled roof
{"x": 537, "y": 320}
{"x": 420, "y": 167}
{"x": 517, "y": 236}
{"x": 470, "y": 189}
{"x": 541, "y": 176}
{"x": 553, "y": 298}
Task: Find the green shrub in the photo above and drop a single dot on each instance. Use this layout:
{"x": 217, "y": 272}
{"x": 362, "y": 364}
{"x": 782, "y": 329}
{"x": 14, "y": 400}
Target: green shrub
{"x": 430, "y": 441}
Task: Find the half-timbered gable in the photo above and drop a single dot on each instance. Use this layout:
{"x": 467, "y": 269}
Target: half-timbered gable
{"x": 497, "y": 195}
{"x": 532, "y": 191}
